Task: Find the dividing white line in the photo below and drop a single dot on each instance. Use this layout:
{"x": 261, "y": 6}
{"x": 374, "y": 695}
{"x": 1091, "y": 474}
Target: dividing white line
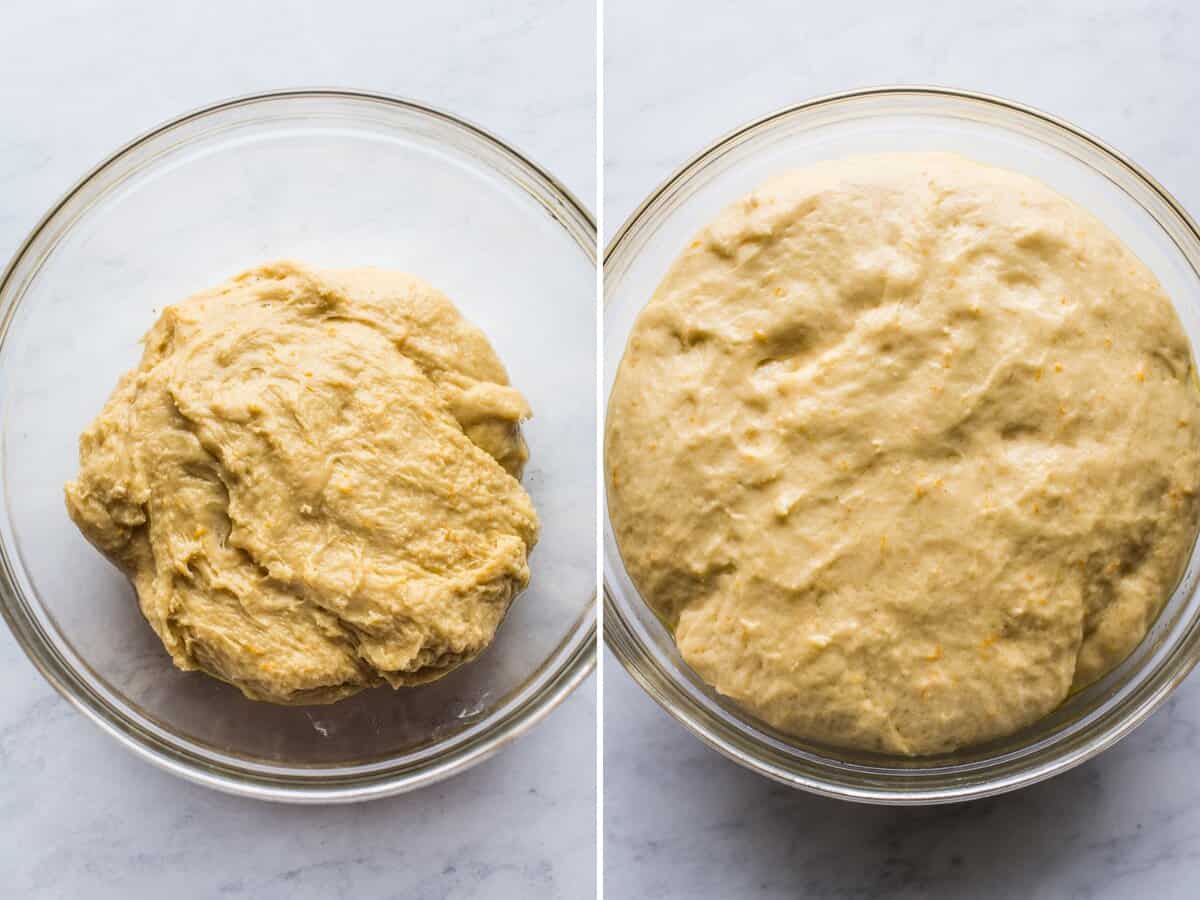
{"x": 599, "y": 206}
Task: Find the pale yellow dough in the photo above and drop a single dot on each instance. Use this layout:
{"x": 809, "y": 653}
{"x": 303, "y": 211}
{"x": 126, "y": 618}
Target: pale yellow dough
{"x": 311, "y": 479}
{"x": 904, "y": 449}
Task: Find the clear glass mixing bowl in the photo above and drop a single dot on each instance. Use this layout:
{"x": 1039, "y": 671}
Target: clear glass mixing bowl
{"x": 991, "y": 130}
{"x": 336, "y": 179}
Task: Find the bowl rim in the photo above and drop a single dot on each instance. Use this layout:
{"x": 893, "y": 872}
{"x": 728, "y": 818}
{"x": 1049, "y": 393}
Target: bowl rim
{"x": 620, "y": 637}
{"x": 296, "y": 786}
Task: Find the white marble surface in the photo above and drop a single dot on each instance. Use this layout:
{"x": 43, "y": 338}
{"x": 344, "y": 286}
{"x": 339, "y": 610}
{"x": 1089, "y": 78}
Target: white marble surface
{"x": 81, "y": 817}
{"x": 681, "y": 821}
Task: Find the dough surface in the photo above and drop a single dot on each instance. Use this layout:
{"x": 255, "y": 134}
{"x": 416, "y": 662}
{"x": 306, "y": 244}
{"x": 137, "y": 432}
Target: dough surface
{"x": 904, "y": 449}
{"x": 311, "y": 479}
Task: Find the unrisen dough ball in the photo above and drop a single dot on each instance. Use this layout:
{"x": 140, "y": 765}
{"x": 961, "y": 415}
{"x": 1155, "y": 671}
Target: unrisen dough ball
{"x": 311, "y": 479}
{"x": 904, "y": 449}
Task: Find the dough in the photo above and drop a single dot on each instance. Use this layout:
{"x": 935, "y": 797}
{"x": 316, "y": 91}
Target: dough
{"x": 311, "y": 479}
{"x": 904, "y": 450}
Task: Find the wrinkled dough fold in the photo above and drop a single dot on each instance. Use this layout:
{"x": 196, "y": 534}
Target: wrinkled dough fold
{"x": 311, "y": 479}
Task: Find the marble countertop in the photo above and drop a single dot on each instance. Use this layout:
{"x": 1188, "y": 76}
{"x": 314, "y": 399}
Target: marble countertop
{"x": 680, "y": 820}
{"x": 79, "y": 816}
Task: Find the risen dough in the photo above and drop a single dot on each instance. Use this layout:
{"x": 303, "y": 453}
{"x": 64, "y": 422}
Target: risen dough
{"x": 904, "y": 449}
{"x": 311, "y": 479}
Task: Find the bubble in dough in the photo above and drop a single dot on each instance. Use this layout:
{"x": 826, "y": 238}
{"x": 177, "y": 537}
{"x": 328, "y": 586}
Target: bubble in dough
{"x": 904, "y": 449}
{"x": 311, "y": 479}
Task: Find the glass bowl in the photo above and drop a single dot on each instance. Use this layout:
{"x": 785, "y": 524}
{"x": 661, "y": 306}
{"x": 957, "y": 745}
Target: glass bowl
{"x": 996, "y": 131}
{"x": 334, "y": 178}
